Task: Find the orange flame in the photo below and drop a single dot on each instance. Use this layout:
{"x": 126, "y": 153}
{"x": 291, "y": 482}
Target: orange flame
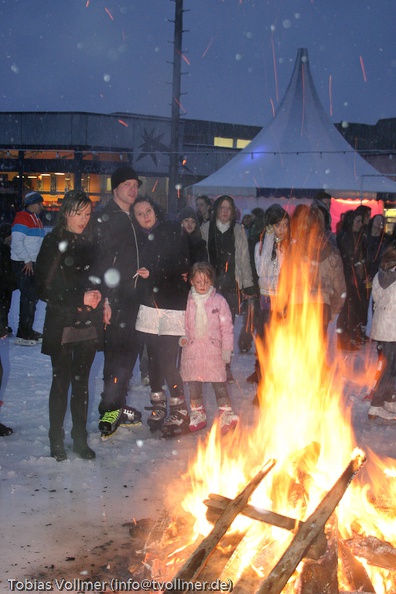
{"x": 305, "y": 425}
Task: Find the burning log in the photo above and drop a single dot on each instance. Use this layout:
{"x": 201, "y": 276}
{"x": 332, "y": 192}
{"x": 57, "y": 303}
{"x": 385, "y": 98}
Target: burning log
{"x": 353, "y": 570}
{"x": 281, "y": 573}
{"x": 195, "y": 563}
{"x": 217, "y": 503}
{"x": 320, "y": 576}
{"x": 375, "y": 551}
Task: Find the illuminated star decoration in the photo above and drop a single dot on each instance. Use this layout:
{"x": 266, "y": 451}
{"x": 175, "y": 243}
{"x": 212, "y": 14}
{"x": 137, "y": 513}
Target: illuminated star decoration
{"x": 152, "y": 145}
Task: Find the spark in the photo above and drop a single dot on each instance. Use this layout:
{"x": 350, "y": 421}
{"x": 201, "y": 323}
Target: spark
{"x": 109, "y": 13}
{"x": 184, "y": 58}
{"x": 155, "y": 185}
{"x": 87, "y": 3}
{"x": 275, "y": 69}
{"x": 363, "y": 68}
{"x": 273, "y": 108}
{"x": 123, "y": 123}
{"x": 208, "y": 47}
{"x": 180, "y": 105}
{"x": 331, "y": 94}
{"x": 303, "y": 97}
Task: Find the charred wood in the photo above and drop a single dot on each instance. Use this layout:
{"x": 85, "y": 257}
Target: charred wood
{"x": 217, "y": 503}
{"x": 281, "y": 573}
{"x": 353, "y": 571}
{"x": 376, "y": 552}
{"x": 321, "y": 576}
{"x": 195, "y": 563}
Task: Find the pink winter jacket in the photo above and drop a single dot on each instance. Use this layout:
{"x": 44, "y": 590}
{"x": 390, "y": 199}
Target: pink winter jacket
{"x": 201, "y": 359}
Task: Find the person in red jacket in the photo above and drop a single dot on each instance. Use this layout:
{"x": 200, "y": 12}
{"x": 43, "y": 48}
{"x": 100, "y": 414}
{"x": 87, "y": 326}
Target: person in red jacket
{"x": 26, "y": 239}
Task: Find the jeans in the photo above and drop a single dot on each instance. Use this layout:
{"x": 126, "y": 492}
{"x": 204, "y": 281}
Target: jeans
{"x": 27, "y": 307}
{"x": 163, "y": 352}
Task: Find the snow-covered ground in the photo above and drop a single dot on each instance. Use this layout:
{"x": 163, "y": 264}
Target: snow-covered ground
{"x": 68, "y": 520}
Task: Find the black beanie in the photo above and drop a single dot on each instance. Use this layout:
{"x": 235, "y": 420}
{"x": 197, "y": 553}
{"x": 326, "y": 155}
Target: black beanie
{"x": 187, "y": 213}
{"x": 122, "y": 174}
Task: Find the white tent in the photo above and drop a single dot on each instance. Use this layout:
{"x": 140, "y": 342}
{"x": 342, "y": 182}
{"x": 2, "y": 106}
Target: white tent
{"x": 299, "y": 153}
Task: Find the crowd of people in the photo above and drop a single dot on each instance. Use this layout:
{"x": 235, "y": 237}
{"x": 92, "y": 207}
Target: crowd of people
{"x": 140, "y": 287}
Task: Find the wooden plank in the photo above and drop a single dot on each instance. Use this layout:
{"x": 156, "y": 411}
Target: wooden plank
{"x": 198, "y": 559}
{"x": 307, "y": 532}
{"x": 218, "y": 503}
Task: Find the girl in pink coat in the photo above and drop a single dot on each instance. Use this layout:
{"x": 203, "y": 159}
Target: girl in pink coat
{"x": 207, "y": 347}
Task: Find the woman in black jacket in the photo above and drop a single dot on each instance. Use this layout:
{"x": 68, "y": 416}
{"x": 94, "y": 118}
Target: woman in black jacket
{"x": 190, "y": 229}
{"x": 165, "y": 265}
{"x": 66, "y": 281}
{"x": 353, "y": 316}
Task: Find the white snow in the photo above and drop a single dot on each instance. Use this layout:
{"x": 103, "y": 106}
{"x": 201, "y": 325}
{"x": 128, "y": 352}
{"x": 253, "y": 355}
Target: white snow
{"x": 58, "y": 519}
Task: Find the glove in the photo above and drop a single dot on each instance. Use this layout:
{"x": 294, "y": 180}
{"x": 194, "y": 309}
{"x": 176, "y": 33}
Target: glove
{"x": 183, "y": 340}
{"x": 226, "y": 356}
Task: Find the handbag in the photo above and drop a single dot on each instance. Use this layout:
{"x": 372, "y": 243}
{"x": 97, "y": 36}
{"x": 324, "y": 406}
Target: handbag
{"x": 72, "y": 334}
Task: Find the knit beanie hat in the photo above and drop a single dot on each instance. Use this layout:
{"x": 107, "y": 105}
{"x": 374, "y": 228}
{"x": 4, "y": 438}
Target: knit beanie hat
{"x": 122, "y": 174}
{"x": 32, "y": 198}
{"x": 187, "y": 213}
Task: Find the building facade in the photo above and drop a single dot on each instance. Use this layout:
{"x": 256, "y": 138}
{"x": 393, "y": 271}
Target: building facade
{"x": 54, "y": 152}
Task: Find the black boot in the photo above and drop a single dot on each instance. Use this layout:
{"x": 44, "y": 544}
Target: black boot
{"x": 58, "y": 451}
{"x": 5, "y": 430}
{"x": 81, "y": 448}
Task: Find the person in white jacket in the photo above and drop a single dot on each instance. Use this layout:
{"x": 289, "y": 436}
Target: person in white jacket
{"x": 383, "y": 329}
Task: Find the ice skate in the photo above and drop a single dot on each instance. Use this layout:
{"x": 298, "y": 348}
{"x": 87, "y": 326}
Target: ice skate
{"x": 122, "y": 417}
{"x": 227, "y": 419}
{"x": 109, "y": 423}
{"x": 130, "y": 416}
{"x": 25, "y": 340}
{"x": 158, "y": 410}
{"x": 390, "y": 406}
{"x": 379, "y": 412}
{"x": 178, "y": 420}
{"x": 197, "y": 418}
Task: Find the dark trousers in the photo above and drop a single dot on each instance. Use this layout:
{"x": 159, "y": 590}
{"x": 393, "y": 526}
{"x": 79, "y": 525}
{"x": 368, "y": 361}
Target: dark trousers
{"x": 27, "y": 307}
{"x": 385, "y": 388}
{"x": 70, "y": 366}
{"x": 119, "y": 361}
{"x": 220, "y": 390}
{"x": 163, "y": 353}
{"x": 5, "y": 305}
{"x": 354, "y": 312}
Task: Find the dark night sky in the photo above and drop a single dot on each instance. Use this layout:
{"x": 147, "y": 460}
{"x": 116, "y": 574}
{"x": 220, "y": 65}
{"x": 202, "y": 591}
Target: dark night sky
{"x": 114, "y": 56}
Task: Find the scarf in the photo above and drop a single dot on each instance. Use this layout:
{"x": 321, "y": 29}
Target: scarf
{"x": 268, "y": 268}
{"x": 201, "y": 319}
{"x": 223, "y": 227}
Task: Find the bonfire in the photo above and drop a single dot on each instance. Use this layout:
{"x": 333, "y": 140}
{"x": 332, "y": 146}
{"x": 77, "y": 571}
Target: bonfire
{"x": 304, "y": 447}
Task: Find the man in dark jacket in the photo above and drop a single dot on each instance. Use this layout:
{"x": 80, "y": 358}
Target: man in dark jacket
{"x": 119, "y": 253}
